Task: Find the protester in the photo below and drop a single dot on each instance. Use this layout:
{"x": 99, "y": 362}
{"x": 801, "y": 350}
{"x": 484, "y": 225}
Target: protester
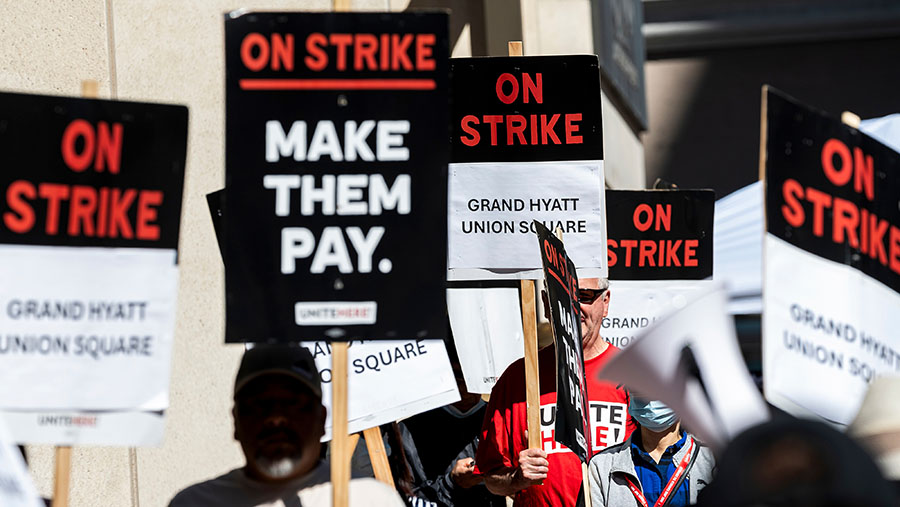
{"x": 536, "y": 476}
{"x": 661, "y": 464}
{"x": 441, "y": 450}
{"x": 791, "y": 462}
{"x": 279, "y": 421}
{"x": 432, "y": 454}
{"x": 877, "y": 426}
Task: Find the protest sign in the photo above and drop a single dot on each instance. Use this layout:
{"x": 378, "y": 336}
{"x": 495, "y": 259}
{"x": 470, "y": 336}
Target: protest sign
{"x": 832, "y": 260}
{"x": 115, "y": 428}
{"x": 90, "y": 219}
{"x": 376, "y": 369}
{"x": 660, "y": 234}
{"x": 572, "y": 427}
{"x": 487, "y": 332}
{"x": 634, "y": 305}
{"x": 660, "y": 249}
{"x": 335, "y": 176}
{"x": 214, "y": 202}
{"x": 737, "y": 248}
{"x": 16, "y": 488}
{"x": 690, "y": 360}
{"x": 527, "y": 144}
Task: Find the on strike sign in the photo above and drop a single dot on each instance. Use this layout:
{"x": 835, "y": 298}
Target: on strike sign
{"x": 571, "y": 388}
{"x": 660, "y": 250}
{"x": 527, "y": 145}
{"x": 832, "y": 258}
{"x": 335, "y": 197}
{"x": 660, "y": 234}
{"x": 90, "y": 204}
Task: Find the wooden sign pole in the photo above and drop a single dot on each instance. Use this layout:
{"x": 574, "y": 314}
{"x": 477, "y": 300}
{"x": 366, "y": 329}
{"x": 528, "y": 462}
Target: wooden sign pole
{"x": 340, "y": 452}
{"x": 586, "y": 482}
{"x": 532, "y": 372}
{"x": 63, "y": 453}
{"x": 851, "y": 119}
{"x": 378, "y": 456}
{"x": 514, "y": 48}
{"x": 529, "y": 328}
{"x": 763, "y": 132}
{"x": 340, "y": 440}
{"x": 61, "y": 482}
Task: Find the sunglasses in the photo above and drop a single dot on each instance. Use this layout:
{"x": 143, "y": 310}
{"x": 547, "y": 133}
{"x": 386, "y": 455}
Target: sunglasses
{"x": 588, "y": 296}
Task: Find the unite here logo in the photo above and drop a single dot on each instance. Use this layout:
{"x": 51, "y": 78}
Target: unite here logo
{"x": 607, "y": 426}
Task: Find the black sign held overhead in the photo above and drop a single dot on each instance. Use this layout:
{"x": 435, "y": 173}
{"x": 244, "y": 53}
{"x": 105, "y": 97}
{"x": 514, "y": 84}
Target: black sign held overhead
{"x": 571, "y": 389}
{"x": 91, "y": 173}
{"x": 832, "y": 190}
{"x": 526, "y": 109}
{"x": 335, "y": 223}
{"x": 660, "y": 234}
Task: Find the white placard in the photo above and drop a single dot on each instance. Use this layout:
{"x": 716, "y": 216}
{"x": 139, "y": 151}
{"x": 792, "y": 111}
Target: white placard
{"x": 634, "y": 305}
{"x": 388, "y": 380}
{"x": 16, "y": 488}
{"x": 827, "y": 329}
{"x": 86, "y": 328}
{"x": 487, "y": 331}
{"x": 491, "y": 206}
{"x": 717, "y": 400}
{"x": 144, "y": 429}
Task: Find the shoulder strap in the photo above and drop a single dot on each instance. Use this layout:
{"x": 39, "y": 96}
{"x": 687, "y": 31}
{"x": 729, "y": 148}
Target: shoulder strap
{"x": 687, "y": 470}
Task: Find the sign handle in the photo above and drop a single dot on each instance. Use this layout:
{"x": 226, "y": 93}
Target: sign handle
{"x": 63, "y": 455}
{"x": 532, "y": 372}
{"x": 90, "y": 89}
{"x": 61, "y": 482}
{"x": 340, "y": 440}
{"x": 529, "y": 328}
{"x": 585, "y": 478}
{"x": 850, "y": 119}
{"x": 378, "y": 456}
{"x": 763, "y": 120}
{"x": 341, "y": 448}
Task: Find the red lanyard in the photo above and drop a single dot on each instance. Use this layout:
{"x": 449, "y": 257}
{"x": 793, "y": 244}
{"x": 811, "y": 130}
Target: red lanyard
{"x": 636, "y": 491}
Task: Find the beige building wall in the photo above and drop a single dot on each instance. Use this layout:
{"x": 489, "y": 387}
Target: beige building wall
{"x": 557, "y": 27}
{"x": 173, "y": 51}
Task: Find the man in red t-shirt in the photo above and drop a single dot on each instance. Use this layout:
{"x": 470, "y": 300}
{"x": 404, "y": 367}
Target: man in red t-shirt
{"x": 552, "y": 475}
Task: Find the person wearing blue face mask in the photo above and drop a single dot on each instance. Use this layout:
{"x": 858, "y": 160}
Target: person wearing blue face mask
{"x": 659, "y": 465}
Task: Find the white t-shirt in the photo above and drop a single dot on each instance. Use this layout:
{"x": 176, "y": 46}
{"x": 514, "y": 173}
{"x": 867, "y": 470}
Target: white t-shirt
{"x": 235, "y": 489}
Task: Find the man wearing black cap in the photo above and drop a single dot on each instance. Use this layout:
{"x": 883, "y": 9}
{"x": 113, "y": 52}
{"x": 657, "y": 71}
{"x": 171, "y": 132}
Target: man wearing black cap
{"x": 279, "y": 421}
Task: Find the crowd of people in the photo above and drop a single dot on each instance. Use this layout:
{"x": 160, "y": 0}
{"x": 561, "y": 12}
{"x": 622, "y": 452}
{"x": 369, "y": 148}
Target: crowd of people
{"x": 473, "y": 453}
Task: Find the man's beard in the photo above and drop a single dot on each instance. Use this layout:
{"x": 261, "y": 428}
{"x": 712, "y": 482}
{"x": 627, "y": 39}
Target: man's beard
{"x": 278, "y": 468}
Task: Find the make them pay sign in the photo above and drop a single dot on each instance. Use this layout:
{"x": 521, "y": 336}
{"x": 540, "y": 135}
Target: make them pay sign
{"x": 341, "y": 194}
{"x": 335, "y": 173}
